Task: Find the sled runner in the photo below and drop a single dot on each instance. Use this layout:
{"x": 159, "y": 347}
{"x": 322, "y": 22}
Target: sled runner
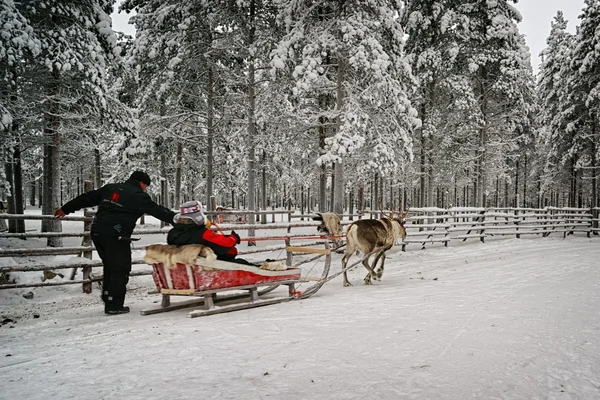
{"x": 221, "y": 286}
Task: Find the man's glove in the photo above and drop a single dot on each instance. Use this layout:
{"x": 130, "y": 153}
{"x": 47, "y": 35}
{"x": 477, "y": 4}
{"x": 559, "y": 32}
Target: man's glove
{"x": 236, "y": 236}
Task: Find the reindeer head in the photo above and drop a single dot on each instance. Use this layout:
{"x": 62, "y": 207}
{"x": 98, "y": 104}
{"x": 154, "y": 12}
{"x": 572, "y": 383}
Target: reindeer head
{"x": 399, "y": 229}
{"x": 330, "y": 223}
{"x": 400, "y": 219}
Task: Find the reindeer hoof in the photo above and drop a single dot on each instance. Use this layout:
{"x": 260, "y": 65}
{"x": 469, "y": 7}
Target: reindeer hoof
{"x": 346, "y": 284}
{"x": 368, "y": 282}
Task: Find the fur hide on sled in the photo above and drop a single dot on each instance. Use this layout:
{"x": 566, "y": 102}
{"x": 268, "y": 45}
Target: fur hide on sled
{"x": 171, "y": 255}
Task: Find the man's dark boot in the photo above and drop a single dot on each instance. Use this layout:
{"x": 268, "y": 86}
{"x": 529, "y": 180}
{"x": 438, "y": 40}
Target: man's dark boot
{"x": 122, "y": 310}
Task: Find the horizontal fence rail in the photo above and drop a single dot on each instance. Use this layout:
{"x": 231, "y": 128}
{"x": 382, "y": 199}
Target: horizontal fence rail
{"x": 424, "y": 226}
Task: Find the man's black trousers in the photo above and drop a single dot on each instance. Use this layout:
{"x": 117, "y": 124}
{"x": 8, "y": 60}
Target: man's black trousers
{"x": 116, "y": 258}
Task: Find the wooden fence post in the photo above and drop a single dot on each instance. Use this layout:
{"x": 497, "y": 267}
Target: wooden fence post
{"x": 517, "y": 222}
{"x": 87, "y": 241}
{"x": 288, "y": 258}
{"x": 482, "y": 231}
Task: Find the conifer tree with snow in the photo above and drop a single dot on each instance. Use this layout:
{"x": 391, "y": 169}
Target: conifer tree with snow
{"x": 17, "y": 42}
{"x": 498, "y": 62}
{"x": 77, "y": 46}
{"x": 436, "y": 51}
{"x": 348, "y": 62}
{"x": 581, "y": 115}
{"x": 553, "y": 95}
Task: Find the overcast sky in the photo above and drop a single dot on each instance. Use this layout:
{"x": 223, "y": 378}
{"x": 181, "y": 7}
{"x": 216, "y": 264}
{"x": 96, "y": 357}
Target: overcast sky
{"x": 537, "y": 15}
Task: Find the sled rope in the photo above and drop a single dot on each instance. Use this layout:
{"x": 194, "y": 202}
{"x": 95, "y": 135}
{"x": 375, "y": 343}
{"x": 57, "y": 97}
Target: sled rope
{"x": 291, "y": 238}
{"x": 348, "y": 268}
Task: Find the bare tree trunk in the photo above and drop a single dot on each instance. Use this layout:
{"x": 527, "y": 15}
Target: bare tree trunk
{"x": 45, "y": 189}
{"x": 32, "y": 194}
{"x": 322, "y": 168}
{"x": 251, "y": 126}
{"x": 97, "y": 170}
{"x": 52, "y": 133}
{"x": 10, "y": 190}
{"x": 573, "y": 189}
{"x": 338, "y": 200}
{"x": 263, "y": 194}
{"x": 332, "y": 190}
{"x": 361, "y": 197}
{"x": 18, "y": 188}
{"x": 178, "y": 163}
{"x": 210, "y": 131}
{"x": 423, "y": 158}
{"x": 594, "y": 202}
{"x": 164, "y": 186}
{"x": 525, "y": 181}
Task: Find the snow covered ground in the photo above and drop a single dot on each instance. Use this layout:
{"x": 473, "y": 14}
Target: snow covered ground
{"x": 505, "y": 319}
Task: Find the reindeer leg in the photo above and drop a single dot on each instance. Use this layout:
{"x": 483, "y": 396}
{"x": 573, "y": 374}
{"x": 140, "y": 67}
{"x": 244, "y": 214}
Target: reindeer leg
{"x": 371, "y": 274}
{"x": 380, "y": 270}
{"x": 344, "y": 263}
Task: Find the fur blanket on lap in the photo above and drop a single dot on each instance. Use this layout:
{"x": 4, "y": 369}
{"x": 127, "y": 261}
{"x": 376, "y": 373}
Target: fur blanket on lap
{"x": 273, "y": 266}
{"x": 171, "y": 255}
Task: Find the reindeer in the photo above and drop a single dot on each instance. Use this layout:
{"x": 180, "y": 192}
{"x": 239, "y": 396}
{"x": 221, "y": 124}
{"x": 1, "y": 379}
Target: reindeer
{"x": 373, "y": 237}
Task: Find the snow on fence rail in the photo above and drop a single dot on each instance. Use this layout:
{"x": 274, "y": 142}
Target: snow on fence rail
{"x": 424, "y": 226}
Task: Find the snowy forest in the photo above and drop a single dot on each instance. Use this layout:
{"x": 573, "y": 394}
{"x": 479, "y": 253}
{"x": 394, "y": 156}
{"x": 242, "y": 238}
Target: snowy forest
{"x": 319, "y": 105}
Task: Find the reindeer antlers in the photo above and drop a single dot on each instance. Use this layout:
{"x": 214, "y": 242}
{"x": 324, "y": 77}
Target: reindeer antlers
{"x": 390, "y": 216}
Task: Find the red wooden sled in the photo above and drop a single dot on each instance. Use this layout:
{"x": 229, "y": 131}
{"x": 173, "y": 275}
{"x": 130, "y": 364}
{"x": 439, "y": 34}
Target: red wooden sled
{"x": 208, "y": 280}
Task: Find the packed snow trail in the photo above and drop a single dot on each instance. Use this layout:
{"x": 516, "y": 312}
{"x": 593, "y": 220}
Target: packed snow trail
{"x": 506, "y": 319}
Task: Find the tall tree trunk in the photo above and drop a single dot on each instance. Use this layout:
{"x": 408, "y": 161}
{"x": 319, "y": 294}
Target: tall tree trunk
{"x": 164, "y": 186}
{"x": 322, "y": 168}
{"x": 573, "y": 190}
{"x": 210, "y": 131}
{"x": 18, "y": 188}
{"x": 178, "y": 163}
{"x": 97, "y": 170}
{"x": 422, "y": 170}
{"x": 516, "y": 184}
{"x": 10, "y": 190}
{"x": 525, "y": 180}
{"x": 332, "y": 190}
{"x": 45, "y": 188}
{"x": 361, "y": 197}
{"x": 52, "y": 133}
{"x": 338, "y": 200}
{"x": 263, "y": 197}
{"x": 32, "y": 194}
{"x": 594, "y": 149}
{"x": 251, "y": 124}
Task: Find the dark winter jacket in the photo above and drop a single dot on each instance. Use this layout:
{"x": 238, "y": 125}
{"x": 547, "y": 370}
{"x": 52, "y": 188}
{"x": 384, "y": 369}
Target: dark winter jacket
{"x": 120, "y": 206}
{"x": 191, "y": 233}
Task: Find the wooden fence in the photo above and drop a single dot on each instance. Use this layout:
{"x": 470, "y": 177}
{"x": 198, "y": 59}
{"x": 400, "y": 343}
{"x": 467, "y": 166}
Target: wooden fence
{"x": 83, "y": 253}
{"x": 424, "y": 226}
{"x": 435, "y": 225}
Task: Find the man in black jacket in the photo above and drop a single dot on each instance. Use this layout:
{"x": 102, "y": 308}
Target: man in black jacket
{"x": 120, "y": 205}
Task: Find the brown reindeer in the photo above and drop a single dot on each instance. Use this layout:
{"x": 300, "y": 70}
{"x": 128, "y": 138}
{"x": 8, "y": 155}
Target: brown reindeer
{"x": 375, "y": 237}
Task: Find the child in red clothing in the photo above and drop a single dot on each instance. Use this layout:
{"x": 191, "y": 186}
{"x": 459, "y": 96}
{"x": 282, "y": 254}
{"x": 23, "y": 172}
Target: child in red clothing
{"x": 191, "y": 228}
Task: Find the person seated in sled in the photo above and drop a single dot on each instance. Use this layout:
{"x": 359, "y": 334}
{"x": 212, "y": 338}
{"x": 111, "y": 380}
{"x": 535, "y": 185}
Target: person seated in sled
{"x": 192, "y": 227}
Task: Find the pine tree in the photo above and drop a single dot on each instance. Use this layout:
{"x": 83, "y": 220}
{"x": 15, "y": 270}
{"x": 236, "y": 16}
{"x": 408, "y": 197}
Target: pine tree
{"x": 552, "y": 92}
{"x": 584, "y": 98}
{"x": 352, "y": 52}
{"x": 77, "y": 47}
{"x": 434, "y": 46}
{"x": 502, "y": 82}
